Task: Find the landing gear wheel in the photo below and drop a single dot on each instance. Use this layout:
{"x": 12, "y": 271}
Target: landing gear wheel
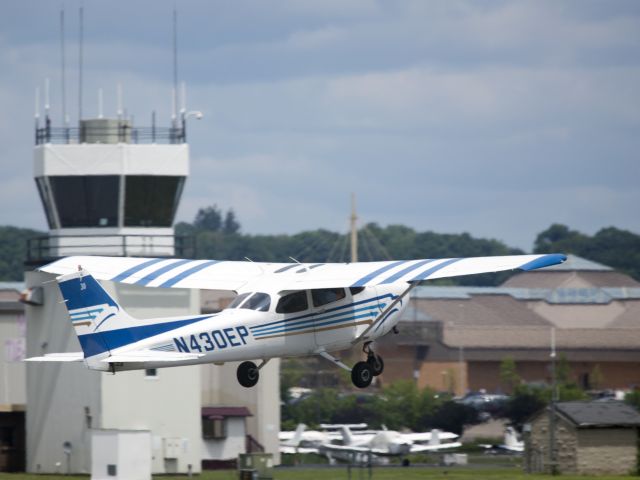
{"x": 361, "y": 375}
{"x": 248, "y": 374}
{"x": 376, "y": 364}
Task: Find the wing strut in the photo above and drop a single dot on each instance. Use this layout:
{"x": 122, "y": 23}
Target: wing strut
{"x": 333, "y": 359}
{"x": 383, "y": 315}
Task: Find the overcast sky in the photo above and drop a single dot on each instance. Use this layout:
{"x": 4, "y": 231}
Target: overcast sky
{"x": 491, "y": 117}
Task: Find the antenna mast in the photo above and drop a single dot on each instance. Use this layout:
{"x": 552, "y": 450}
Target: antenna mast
{"x": 63, "y": 70}
{"x": 80, "y": 46}
{"x": 175, "y": 67}
{"x": 354, "y": 229}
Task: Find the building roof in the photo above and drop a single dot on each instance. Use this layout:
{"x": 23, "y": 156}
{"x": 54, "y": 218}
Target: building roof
{"x": 599, "y": 414}
{"x": 576, "y": 272}
{"x": 223, "y": 412}
{"x": 576, "y": 263}
{"x": 593, "y": 309}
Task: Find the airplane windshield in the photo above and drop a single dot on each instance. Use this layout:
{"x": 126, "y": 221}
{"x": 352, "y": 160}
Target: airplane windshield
{"x": 258, "y": 301}
{"x": 239, "y": 299}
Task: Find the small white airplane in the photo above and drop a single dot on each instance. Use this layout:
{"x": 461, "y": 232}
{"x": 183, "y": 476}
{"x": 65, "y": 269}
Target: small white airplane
{"x": 387, "y": 443}
{"x": 281, "y": 309}
{"x": 511, "y": 443}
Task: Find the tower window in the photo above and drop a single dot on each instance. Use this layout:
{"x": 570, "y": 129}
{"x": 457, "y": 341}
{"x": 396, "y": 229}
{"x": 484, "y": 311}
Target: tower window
{"x": 151, "y": 201}
{"x": 86, "y": 201}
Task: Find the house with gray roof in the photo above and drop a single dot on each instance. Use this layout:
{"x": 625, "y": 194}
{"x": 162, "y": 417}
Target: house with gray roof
{"x": 591, "y": 438}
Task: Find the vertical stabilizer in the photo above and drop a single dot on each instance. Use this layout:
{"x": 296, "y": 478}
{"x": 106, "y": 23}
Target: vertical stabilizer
{"x": 92, "y": 311}
{"x": 347, "y": 438}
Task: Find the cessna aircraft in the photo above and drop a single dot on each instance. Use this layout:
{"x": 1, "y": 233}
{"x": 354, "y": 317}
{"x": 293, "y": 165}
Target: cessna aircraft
{"x": 388, "y": 443}
{"x": 281, "y": 309}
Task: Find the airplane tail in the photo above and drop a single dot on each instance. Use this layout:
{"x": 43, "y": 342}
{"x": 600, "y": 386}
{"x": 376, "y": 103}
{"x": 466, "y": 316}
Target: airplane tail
{"x": 510, "y": 437}
{"x": 92, "y": 311}
{"x": 347, "y": 438}
{"x": 435, "y": 437}
{"x": 297, "y": 437}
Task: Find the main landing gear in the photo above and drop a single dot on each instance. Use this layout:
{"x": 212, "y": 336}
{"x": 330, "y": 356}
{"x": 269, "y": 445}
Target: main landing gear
{"x": 363, "y": 372}
{"x": 248, "y": 373}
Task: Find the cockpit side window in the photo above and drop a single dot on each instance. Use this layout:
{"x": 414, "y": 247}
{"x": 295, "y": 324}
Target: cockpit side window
{"x": 293, "y": 302}
{"x": 258, "y": 301}
{"x": 355, "y": 290}
{"x": 239, "y": 299}
{"x": 323, "y": 296}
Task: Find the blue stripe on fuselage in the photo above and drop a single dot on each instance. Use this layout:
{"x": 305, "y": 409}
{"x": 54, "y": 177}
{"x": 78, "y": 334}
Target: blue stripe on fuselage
{"x": 99, "y": 342}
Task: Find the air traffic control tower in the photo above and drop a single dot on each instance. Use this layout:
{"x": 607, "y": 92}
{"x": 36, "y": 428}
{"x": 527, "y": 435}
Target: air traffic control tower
{"x": 108, "y": 188}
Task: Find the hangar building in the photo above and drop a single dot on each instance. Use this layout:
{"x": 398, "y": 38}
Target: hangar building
{"x": 454, "y": 338}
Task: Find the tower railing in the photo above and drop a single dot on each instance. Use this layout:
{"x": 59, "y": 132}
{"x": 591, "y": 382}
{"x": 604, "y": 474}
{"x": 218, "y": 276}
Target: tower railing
{"x": 119, "y": 134}
{"x": 45, "y": 249}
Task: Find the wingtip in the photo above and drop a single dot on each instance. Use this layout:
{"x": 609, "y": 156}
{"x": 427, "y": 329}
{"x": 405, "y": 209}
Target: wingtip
{"x": 544, "y": 261}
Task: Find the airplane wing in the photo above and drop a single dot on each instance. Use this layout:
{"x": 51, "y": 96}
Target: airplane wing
{"x": 58, "y": 357}
{"x": 353, "y": 449}
{"x": 293, "y": 450}
{"x": 233, "y": 275}
{"x": 434, "y": 448}
{"x": 426, "y": 436}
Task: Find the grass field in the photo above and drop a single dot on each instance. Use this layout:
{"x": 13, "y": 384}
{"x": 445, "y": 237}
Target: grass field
{"x": 379, "y": 473}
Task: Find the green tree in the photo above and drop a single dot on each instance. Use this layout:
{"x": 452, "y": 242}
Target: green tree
{"x": 13, "y": 252}
{"x": 509, "y": 374}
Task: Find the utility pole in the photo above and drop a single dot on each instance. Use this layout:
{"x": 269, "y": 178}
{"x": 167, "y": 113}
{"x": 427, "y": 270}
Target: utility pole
{"x": 552, "y": 409}
{"x": 354, "y": 229}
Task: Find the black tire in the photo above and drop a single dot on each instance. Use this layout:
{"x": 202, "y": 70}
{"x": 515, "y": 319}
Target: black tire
{"x": 376, "y": 364}
{"x": 361, "y": 375}
{"x": 248, "y": 374}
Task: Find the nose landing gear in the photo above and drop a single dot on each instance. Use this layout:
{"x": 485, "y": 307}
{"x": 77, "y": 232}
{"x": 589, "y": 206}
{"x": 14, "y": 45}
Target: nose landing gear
{"x": 248, "y": 373}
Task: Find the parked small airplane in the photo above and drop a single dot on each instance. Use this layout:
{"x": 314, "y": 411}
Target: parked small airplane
{"x": 511, "y": 443}
{"x": 281, "y": 310}
{"x": 302, "y": 440}
{"x": 386, "y": 443}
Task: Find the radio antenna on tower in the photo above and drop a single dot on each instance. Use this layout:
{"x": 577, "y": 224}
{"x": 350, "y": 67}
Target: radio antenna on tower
{"x": 174, "y": 117}
{"x": 80, "y": 45}
{"x": 354, "y": 229}
{"x": 63, "y": 70}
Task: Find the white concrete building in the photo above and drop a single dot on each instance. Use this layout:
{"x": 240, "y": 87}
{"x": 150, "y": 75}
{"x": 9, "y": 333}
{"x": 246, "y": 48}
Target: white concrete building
{"x": 12, "y": 378}
{"x": 105, "y": 196}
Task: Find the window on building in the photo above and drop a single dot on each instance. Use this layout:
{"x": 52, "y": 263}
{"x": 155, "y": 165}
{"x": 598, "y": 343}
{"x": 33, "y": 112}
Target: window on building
{"x": 151, "y": 200}
{"x": 86, "y": 201}
{"x": 45, "y": 197}
{"x": 215, "y": 427}
{"x": 293, "y": 302}
{"x": 324, "y": 296}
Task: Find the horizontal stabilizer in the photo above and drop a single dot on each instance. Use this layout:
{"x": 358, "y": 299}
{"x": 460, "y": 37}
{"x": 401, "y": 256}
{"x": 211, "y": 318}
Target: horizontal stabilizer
{"x": 58, "y": 357}
{"x": 151, "y": 356}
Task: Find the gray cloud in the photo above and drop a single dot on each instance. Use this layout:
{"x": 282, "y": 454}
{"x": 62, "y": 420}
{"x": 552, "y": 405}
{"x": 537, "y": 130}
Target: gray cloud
{"x": 496, "y": 118}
